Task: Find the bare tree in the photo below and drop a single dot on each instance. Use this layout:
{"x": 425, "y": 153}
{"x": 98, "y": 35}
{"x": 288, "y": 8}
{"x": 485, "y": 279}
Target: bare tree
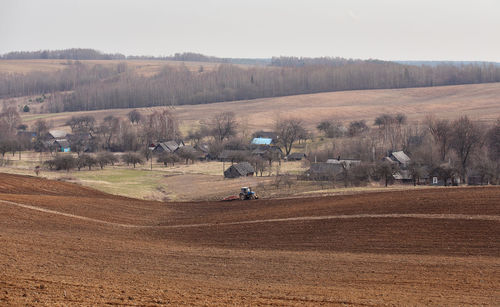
{"x": 331, "y": 129}
{"x": 160, "y": 126}
{"x": 10, "y": 119}
{"x": 134, "y": 116}
{"x": 105, "y": 158}
{"x": 466, "y": 136}
{"x": 224, "y": 126}
{"x": 441, "y": 133}
{"x": 357, "y": 128}
{"x": 82, "y": 124}
{"x": 108, "y": 130}
{"x": 493, "y": 141}
{"x": 132, "y": 158}
{"x": 288, "y": 131}
{"x": 167, "y": 158}
{"x": 386, "y": 171}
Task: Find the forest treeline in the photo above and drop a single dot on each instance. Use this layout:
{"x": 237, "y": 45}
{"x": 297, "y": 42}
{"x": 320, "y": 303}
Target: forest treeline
{"x": 83, "y": 87}
{"x": 92, "y": 54}
{"x": 64, "y": 54}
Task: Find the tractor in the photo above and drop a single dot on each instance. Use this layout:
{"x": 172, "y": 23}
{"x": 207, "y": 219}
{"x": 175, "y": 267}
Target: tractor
{"x": 247, "y": 193}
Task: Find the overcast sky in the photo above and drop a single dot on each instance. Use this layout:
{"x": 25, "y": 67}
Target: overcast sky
{"x": 382, "y": 29}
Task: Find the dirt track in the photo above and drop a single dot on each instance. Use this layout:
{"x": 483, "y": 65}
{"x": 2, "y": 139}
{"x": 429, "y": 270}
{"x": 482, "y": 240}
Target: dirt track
{"x": 434, "y": 247}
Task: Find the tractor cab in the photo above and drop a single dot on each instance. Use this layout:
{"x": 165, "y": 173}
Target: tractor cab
{"x": 247, "y": 193}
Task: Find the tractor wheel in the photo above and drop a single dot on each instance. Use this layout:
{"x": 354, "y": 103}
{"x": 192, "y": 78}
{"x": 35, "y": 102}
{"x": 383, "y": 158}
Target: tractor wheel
{"x": 242, "y": 197}
{"x": 252, "y": 196}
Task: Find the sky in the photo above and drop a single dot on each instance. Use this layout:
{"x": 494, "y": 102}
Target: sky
{"x": 455, "y": 30}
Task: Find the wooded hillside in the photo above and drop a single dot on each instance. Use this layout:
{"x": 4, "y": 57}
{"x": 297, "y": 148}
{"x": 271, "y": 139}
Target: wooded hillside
{"x": 82, "y": 87}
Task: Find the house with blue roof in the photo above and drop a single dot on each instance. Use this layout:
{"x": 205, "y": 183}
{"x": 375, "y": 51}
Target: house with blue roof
{"x": 262, "y": 141}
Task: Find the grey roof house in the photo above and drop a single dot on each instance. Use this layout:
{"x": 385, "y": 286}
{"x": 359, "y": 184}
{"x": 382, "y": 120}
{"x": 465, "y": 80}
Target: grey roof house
{"x": 242, "y": 169}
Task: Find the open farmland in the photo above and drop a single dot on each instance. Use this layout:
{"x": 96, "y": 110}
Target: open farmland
{"x": 68, "y": 245}
{"x": 479, "y": 101}
{"x": 143, "y": 67}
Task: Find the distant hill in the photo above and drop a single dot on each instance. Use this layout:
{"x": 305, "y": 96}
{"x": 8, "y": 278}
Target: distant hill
{"x": 92, "y": 54}
{"x": 192, "y": 78}
{"x": 453, "y": 63}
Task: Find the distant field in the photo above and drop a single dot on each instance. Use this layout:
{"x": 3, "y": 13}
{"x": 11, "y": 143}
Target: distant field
{"x": 479, "y": 101}
{"x": 145, "y": 67}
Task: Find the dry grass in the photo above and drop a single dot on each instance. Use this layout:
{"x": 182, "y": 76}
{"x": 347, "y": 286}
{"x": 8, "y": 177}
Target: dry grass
{"x": 479, "y": 101}
{"x": 198, "y": 181}
{"x": 144, "y": 67}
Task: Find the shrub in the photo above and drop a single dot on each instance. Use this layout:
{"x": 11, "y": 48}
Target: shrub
{"x": 132, "y": 158}
{"x": 62, "y": 162}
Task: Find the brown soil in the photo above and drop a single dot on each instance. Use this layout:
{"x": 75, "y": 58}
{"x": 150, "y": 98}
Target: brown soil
{"x": 420, "y": 247}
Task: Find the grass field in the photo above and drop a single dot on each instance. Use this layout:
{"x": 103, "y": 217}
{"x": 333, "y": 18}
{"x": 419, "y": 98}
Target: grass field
{"x": 181, "y": 182}
{"x": 479, "y": 101}
{"x": 63, "y": 244}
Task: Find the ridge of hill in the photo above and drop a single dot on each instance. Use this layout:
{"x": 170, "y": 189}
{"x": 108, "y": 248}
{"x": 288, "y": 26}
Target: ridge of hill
{"x": 478, "y": 101}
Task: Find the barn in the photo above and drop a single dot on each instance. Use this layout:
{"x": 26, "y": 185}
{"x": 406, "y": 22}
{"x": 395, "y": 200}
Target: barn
{"x": 296, "y": 156}
{"x": 242, "y": 169}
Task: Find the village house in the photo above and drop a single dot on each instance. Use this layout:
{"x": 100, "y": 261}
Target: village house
{"x": 57, "y": 139}
{"x": 323, "y": 171}
{"x": 266, "y": 135}
{"x": 262, "y": 141}
{"x": 443, "y": 175}
{"x": 168, "y": 147}
{"x": 347, "y": 162}
{"x": 400, "y": 158}
{"x": 296, "y": 156}
{"x": 205, "y": 150}
{"x": 267, "y": 152}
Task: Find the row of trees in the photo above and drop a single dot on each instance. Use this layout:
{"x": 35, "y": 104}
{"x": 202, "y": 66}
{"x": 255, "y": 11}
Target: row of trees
{"x": 68, "y": 162}
{"x": 81, "y": 87}
{"x": 462, "y": 145}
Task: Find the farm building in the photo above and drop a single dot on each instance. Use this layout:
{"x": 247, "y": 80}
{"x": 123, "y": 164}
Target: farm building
{"x": 403, "y": 176}
{"x": 266, "y": 135}
{"x": 477, "y": 179}
{"x": 268, "y": 151}
{"x": 347, "y": 162}
{"x": 169, "y": 147}
{"x": 58, "y": 139}
{"x": 443, "y": 175}
{"x": 57, "y": 134}
{"x": 61, "y": 145}
{"x": 205, "y": 149}
{"x": 323, "y": 171}
{"x": 398, "y": 157}
{"x": 242, "y": 169}
{"x": 195, "y": 153}
{"x": 296, "y": 156}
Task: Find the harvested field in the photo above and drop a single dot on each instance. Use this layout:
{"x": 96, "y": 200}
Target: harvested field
{"x": 479, "y": 101}
{"x": 68, "y": 245}
{"x": 144, "y": 67}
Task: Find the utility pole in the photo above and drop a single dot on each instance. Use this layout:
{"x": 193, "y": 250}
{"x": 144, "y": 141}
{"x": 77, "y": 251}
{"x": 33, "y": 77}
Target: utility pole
{"x": 151, "y": 147}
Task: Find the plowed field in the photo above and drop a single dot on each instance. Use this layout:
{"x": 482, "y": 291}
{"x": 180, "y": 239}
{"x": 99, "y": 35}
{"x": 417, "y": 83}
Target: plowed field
{"x": 62, "y": 244}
